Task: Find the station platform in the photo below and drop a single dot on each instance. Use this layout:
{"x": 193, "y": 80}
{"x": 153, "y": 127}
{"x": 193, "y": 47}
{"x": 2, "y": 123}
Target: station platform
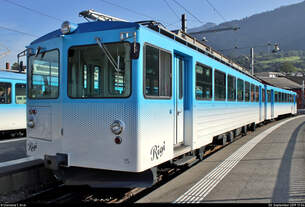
{"x": 20, "y": 175}
{"x": 12, "y": 149}
{"x": 266, "y": 166}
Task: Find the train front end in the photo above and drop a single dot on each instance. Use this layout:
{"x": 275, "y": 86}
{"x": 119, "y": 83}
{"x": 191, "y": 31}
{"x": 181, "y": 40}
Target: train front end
{"x": 82, "y": 108}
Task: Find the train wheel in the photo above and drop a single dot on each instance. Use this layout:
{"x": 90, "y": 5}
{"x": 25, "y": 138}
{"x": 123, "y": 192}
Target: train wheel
{"x": 244, "y": 130}
{"x": 253, "y": 127}
{"x": 230, "y": 136}
{"x": 200, "y": 153}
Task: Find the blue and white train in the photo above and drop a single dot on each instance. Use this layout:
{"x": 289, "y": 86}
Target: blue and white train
{"x": 12, "y": 104}
{"x": 109, "y": 102}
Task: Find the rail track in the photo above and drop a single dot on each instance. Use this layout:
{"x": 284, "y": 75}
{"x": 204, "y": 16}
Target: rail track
{"x": 83, "y": 194}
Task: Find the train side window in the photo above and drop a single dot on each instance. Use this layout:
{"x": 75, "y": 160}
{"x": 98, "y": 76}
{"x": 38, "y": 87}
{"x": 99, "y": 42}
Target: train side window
{"x": 263, "y": 95}
{"x": 20, "y": 93}
{"x": 203, "y": 82}
{"x": 5, "y": 93}
{"x": 157, "y": 72}
{"x": 252, "y": 93}
{"x": 91, "y": 73}
{"x": 256, "y": 93}
{"x": 231, "y": 88}
{"x": 240, "y": 90}
{"x": 275, "y": 96}
{"x": 247, "y": 91}
{"x": 269, "y": 95}
{"x": 220, "y": 85}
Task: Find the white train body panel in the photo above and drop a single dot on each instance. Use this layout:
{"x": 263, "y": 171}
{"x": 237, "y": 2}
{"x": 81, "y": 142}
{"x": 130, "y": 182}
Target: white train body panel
{"x": 80, "y": 127}
{"x": 13, "y": 114}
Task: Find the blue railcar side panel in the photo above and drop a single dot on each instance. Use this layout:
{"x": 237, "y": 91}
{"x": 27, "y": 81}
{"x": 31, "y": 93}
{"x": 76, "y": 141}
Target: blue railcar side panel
{"x": 81, "y": 124}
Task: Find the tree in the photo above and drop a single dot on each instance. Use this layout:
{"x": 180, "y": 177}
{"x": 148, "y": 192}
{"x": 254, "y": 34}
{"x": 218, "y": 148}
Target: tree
{"x": 15, "y": 66}
{"x": 287, "y": 67}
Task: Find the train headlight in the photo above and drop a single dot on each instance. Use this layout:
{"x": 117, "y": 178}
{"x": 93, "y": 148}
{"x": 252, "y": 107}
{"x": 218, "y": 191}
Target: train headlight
{"x": 68, "y": 27}
{"x": 117, "y": 127}
{"x": 31, "y": 124}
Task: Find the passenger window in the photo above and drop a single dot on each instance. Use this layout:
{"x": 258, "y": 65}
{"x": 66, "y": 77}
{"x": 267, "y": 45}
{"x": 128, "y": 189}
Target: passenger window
{"x": 252, "y": 93}
{"x": 220, "y": 86}
{"x": 269, "y": 95}
{"x": 240, "y": 90}
{"x": 92, "y": 73}
{"x": 203, "y": 82}
{"x": 247, "y": 91}
{"x": 263, "y": 95}
{"x": 5, "y": 93}
{"x": 231, "y": 88}
{"x": 275, "y": 97}
{"x": 20, "y": 93}
{"x": 257, "y": 94}
{"x": 157, "y": 71}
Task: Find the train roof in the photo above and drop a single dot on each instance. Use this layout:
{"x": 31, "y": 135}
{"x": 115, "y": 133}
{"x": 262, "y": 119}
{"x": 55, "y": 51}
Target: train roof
{"x": 89, "y": 27}
{"x": 12, "y": 75}
{"x": 177, "y": 35}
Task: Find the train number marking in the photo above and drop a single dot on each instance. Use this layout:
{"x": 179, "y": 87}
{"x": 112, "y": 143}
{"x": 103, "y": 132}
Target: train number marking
{"x": 157, "y": 151}
{"x": 32, "y": 146}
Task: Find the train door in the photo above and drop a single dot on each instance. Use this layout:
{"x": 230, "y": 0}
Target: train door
{"x": 272, "y": 104}
{"x": 264, "y": 103}
{"x": 179, "y": 102}
{"x": 260, "y": 104}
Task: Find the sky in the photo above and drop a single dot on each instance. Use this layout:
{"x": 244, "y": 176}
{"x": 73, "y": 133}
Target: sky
{"x": 34, "y": 18}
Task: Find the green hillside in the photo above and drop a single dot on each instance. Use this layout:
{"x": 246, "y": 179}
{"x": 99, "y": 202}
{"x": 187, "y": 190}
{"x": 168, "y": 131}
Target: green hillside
{"x": 290, "y": 61}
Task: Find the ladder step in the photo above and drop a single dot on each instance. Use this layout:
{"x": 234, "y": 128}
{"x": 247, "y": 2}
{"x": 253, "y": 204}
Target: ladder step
{"x": 187, "y": 160}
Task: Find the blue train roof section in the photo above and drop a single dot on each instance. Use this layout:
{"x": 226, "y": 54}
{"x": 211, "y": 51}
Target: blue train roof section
{"x": 89, "y": 27}
{"x": 12, "y": 75}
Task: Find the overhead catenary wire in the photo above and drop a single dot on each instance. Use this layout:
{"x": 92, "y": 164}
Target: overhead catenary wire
{"x": 172, "y": 9}
{"x": 215, "y": 10}
{"x": 33, "y": 10}
{"x": 17, "y": 31}
{"x": 127, "y": 9}
{"x": 135, "y": 12}
{"x": 201, "y": 22}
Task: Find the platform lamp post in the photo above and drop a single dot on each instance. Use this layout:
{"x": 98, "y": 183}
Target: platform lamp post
{"x": 275, "y": 50}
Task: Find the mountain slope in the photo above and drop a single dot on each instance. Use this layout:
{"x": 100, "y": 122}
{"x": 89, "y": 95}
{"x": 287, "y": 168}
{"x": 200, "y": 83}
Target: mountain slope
{"x": 284, "y": 25}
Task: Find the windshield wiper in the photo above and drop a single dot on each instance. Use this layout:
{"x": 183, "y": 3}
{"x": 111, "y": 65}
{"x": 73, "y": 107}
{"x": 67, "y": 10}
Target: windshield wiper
{"x": 108, "y": 55}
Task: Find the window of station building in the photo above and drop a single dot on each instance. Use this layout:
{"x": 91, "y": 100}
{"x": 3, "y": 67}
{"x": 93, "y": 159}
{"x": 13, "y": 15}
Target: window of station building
{"x": 263, "y": 95}
{"x": 247, "y": 91}
{"x": 252, "y": 93}
{"x": 5, "y": 93}
{"x": 240, "y": 90}
{"x": 256, "y": 93}
{"x": 203, "y": 82}
{"x": 269, "y": 95}
{"x": 231, "y": 88}
{"x": 157, "y": 73}
{"x": 220, "y": 85}
{"x": 20, "y": 93}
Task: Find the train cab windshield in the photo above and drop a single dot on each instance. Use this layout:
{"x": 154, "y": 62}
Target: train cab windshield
{"x": 44, "y": 75}
{"x": 97, "y": 73}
